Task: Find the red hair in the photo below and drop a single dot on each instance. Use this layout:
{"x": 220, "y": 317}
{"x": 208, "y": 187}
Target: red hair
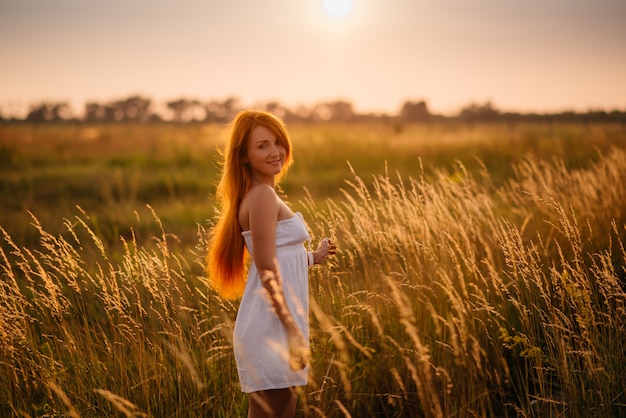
{"x": 225, "y": 261}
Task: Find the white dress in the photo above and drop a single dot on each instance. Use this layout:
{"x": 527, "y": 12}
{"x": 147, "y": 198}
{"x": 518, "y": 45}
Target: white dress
{"x": 260, "y": 339}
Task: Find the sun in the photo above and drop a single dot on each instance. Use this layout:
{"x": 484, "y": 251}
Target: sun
{"x": 338, "y": 7}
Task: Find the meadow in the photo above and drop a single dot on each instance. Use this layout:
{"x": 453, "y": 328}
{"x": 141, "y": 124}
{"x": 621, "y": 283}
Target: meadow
{"x": 480, "y": 272}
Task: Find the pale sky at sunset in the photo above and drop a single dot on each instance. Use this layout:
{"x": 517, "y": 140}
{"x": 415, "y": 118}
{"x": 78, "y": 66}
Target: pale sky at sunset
{"x": 533, "y": 55}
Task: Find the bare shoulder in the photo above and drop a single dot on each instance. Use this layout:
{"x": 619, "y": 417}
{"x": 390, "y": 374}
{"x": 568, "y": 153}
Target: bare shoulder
{"x": 260, "y": 194}
{"x": 261, "y": 200}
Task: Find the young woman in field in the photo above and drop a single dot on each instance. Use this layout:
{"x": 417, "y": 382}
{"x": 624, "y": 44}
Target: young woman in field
{"x": 271, "y": 330}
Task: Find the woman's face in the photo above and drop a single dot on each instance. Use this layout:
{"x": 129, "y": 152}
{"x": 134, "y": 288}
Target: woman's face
{"x": 266, "y": 154}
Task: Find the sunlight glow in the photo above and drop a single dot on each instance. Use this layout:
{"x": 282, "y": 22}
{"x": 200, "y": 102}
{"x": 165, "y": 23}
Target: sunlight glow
{"x": 337, "y": 7}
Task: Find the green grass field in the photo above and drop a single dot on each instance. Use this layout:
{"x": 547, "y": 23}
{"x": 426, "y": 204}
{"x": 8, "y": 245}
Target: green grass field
{"x": 480, "y": 271}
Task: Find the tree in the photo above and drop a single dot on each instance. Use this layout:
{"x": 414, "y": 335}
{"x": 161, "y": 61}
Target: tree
{"x": 94, "y": 112}
{"x": 131, "y": 109}
{"x": 134, "y": 108}
{"x": 221, "y": 111}
{"x": 339, "y": 110}
{"x": 479, "y": 113}
{"x": 179, "y": 108}
{"x": 186, "y": 110}
{"x": 49, "y": 112}
{"x": 277, "y": 108}
{"x": 415, "y": 111}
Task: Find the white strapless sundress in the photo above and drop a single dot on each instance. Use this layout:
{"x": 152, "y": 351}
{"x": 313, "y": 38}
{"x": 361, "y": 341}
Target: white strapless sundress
{"x": 260, "y": 339}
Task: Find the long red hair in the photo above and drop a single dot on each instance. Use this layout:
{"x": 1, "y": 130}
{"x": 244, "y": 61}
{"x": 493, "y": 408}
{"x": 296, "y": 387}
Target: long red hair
{"x": 225, "y": 261}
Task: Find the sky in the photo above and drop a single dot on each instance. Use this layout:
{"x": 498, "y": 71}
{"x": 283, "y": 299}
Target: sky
{"x": 526, "y": 56}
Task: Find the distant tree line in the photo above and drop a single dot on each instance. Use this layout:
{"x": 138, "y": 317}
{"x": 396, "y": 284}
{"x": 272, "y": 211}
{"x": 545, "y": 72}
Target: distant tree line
{"x": 184, "y": 110}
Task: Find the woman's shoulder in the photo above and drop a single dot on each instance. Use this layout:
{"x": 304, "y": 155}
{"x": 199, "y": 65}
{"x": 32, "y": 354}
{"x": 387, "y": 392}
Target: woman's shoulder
{"x": 261, "y": 194}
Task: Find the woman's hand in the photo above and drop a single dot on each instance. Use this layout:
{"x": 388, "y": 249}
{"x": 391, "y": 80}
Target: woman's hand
{"x": 299, "y": 353}
{"x": 325, "y": 249}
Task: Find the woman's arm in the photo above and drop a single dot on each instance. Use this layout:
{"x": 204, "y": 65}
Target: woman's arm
{"x": 263, "y": 216}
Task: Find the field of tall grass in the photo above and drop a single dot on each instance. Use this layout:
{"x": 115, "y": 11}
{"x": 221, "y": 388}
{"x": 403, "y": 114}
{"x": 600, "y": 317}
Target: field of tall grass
{"x": 480, "y": 271}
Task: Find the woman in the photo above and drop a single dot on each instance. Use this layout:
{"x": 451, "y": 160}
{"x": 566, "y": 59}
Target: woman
{"x": 271, "y": 331}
